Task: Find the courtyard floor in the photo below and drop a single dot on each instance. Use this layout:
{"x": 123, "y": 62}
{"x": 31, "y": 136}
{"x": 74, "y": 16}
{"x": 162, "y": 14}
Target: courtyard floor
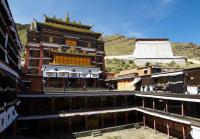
{"x": 133, "y": 133}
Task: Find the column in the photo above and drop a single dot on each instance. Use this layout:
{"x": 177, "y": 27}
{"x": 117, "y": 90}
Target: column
{"x": 102, "y": 98}
{"x": 182, "y": 109}
{"x": 86, "y": 102}
{"x": 153, "y": 104}
{"x": 86, "y": 122}
{"x": 115, "y": 118}
{"x": 52, "y": 104}
{"x": 166, "y": 106}
{"x": 144, "y": 120}
{"x": 70, "y": 125}
{"x": 126, "y": 114}
{"x": 126, "y": 104}
{"x": 154, "y": 124}
{"x": 184, "y": 131}
{"x": 143, "y": 102}
{"x": 14, "y": 128}
{"x": 168, "y": 134}
{"x": 41, "y": 60}
{"x": 52, "y": 127}
{"x": 27, "y": 60}
{"x": 94, "y": 82}
{"x": 102, "y": 121}
{"x": 136, "y": 115}
{"x": 70, "y": 103}
{"x": 114, "y": 99}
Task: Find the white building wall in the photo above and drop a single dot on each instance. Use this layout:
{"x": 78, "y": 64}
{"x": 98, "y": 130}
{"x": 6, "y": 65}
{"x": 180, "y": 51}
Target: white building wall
{"x": 195, "y": 132}
{"x": 153, "y": 49}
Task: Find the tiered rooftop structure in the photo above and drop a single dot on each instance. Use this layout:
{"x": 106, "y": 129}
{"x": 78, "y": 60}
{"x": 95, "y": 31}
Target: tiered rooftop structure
{"x": 10, "y": 47}
{"x": 64, "y": 51}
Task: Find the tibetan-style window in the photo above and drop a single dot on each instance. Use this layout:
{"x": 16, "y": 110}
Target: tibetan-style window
{"x": 71, "y": 42}
{"x": 51, "y": 39}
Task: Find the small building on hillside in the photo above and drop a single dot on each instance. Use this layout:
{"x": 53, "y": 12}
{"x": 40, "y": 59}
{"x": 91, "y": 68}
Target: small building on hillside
{"x": 127, "y": 79}
{"x": 156, "y": 50}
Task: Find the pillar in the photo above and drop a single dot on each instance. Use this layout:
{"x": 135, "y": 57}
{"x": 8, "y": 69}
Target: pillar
{"x": 136, "y": 115}
{"x": 102, "y": 98}
{"x": 144, "y": 120}
{"x": 153, "y": 104}
{"x": 14, "y": 128}
{"x": 52, "y": 127}
{"x": 126, "y": 114}
{"x": 143, "y": 102}
{"x": 41, "y": 60}
{"x": 182, "y": 109}
{"x": 70, "y": 125}
{"x": 168, "y": 134}
{"x": 115, "y": 118}
{"x": 102, "y": 121}
{"x": 184, "y": 131}
{"x": 64, "y": 83}
{"x": 52, "y": 104}
{"x": 154, "y": 124}
{"x": 70, "y": 103}
{"x": 166, "y": 106}
{"x": 114, "y": 99}
{"x": 86, "y": 122}
{"x": 126, "y": 104}
{"x": 27, "y": 60}
{"x": 94, "y": 82}
{"x": 86, "y": 102}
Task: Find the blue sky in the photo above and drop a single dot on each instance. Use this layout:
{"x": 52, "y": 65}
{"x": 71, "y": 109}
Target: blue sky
{"x": 178, "y": 20}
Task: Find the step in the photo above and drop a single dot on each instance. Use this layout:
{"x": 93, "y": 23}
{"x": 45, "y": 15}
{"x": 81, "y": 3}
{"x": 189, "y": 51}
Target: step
{"x": 137, "y": 126}
{"x": 96, "y": 133}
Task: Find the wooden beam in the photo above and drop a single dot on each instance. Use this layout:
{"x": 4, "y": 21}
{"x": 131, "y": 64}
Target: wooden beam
{"x": 114, "y": 99}
{"x": 153, "y": 104}
{"x": 184, "y": 131}
{"x": 14, "y": 129}
{"x": 126, "y": 114}
{"x": 144, "y": 120}
{"x": 70, "y": 103}
{"x": 70, "y": 125}
{"x": 143, "y": 102}
{"x": 102, "y": 121}
{"x": 86, "y": 122}
{"x": 126, "y": 103}
{"x": 166, "y": 105}
{"x": 102, "y": 98}
{"x": 154, "y": 124}
{"x": 86, "y": 102}
{"x": 168, "y": 134}
{"x": 182, "y": 109}
{"x": 52, "y": 104}
{"x": 52, "y": 127}
{"x": 115, "y": 119}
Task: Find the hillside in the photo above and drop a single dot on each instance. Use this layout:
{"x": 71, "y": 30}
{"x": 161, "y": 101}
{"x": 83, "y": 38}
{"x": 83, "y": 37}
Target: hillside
{"x": 22, "y": 30}
{"x": 118, "y": 45}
